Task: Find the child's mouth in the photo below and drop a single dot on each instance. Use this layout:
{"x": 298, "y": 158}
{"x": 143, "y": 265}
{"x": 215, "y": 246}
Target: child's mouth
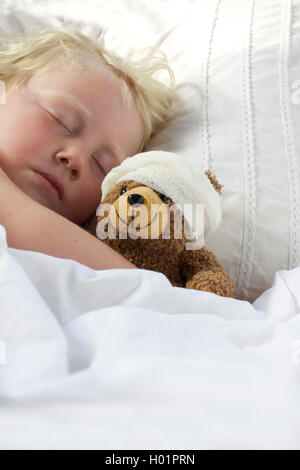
{"x": 48, "y": 185}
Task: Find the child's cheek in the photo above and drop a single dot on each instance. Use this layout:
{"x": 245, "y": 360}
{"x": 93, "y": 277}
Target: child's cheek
{"x": 36, "y": 140}
{"x": 23, "y": 136}
{"x": 38, "y": 136}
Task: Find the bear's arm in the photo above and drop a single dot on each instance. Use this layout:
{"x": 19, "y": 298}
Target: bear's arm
{"x": 203, "y": 272}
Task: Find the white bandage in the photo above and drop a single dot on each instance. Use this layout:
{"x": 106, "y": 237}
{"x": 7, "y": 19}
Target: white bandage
{"x": 167, "y": 173}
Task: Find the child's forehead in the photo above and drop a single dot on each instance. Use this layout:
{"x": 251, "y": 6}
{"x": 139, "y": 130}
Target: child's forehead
{"x": 75, "y": 77}
{"x": 81, "y": 65}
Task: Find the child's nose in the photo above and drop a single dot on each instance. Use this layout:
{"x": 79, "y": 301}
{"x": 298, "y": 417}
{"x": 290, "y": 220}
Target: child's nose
{"x": 74, "y": 162}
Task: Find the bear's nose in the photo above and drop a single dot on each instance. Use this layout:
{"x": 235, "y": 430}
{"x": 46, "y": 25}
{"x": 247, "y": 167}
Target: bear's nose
{"x": 135, "y": 199}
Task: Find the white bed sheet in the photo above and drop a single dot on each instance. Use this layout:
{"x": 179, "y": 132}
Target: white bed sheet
{"x": 121, "y": 359}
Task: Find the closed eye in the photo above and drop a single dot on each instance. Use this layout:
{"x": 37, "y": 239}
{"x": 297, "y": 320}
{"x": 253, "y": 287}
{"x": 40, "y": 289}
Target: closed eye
{"x": 60, "y": 122}
{"x": 71, "y": 132}
{"x": 98, "y": 165}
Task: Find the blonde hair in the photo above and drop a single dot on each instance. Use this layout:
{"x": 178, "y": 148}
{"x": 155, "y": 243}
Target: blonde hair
{"x": 22, "y": 56}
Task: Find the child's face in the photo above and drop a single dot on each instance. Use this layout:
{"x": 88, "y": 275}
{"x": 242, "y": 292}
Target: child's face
{"x": 32, "y": 140}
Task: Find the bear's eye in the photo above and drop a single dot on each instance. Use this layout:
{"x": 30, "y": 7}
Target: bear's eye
{"x": 163, "y": 197}
{"x": 123, "y": 190}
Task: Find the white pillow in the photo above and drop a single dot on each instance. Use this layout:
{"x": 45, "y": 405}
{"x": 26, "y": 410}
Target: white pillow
{"x": 19, "y": 22}
{"x": 245, "y": 129}
{"x": 237, "y": 65}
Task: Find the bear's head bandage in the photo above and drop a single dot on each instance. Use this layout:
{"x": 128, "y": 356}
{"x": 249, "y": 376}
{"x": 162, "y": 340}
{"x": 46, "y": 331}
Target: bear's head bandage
{"x": 167, "y": 173}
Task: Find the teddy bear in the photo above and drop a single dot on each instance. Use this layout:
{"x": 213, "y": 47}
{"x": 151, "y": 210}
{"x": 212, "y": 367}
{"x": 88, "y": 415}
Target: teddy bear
{"x": 147, "y": 215}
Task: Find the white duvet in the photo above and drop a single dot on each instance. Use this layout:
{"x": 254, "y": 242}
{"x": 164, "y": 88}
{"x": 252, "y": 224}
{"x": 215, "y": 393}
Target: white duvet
{"x": 120, "y": 359}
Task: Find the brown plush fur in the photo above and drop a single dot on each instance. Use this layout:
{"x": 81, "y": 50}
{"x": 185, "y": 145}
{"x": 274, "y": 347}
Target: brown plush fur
{"x": 193, "y": 269}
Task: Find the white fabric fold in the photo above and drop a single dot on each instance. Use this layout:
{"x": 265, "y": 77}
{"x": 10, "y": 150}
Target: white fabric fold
{"x": 121, "y": 359}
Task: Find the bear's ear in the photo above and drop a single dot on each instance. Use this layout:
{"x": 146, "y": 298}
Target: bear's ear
{"x": 218, "y": 187}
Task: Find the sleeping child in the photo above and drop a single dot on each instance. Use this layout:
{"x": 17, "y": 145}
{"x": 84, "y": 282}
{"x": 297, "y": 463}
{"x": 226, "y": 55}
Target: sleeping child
{"x": 72, "y": 111}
